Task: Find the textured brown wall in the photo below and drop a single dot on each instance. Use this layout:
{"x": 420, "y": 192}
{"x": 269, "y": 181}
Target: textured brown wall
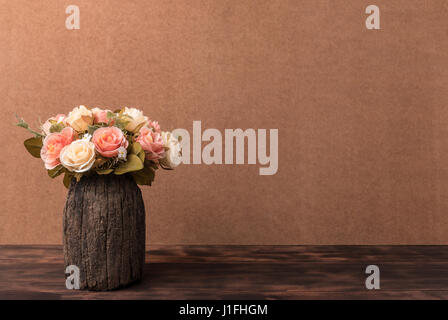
{"x": 362, "y": 115}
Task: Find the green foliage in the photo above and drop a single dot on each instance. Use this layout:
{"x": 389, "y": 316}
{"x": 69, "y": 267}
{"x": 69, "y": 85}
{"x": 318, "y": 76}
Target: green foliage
{"x": 21, "y": 123}
{"x": 119, "y": 119}
{"x": 67, "y": 178}
{"x": 53, "y": 173}
{"x": 56, "y": 127}
{"x": 133, "y": 163}
{"x": 144, "y": 177}
{"x": 91, "y": 129}
{"x": 121, "y": 122}
{"x": 33, "y": 145}
{"x": 142, "y": 170}
{"x": 142, "y": 155}
{"x": 137, "y": 128}
{"x": 136, "y": 148}
{"x": 104, "y": 171}
{"x": 151, "y": 164}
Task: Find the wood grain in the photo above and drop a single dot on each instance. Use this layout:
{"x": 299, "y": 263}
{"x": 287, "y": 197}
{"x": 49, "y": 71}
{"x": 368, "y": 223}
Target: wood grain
{"x": 242, "y": 272}
{"x": 104, "y": 231}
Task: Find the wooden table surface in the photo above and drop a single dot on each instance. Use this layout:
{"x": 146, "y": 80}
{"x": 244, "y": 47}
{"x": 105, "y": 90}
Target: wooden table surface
{"x": 242, "y": 272}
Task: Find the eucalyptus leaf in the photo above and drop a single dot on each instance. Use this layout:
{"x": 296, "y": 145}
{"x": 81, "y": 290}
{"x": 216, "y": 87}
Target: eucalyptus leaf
{"x": 133, "y": 163}
{"x": 33, "y": 145}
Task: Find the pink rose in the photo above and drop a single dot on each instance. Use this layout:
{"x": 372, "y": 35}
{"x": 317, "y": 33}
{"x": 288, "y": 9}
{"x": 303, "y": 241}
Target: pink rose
{"x": 52, "y": 146}
{"x": 100, "y": 115}
{"x": 60, "y": 118}
{"x": 152, "y": 143}
{"x": 154, "y": 125}
{"x": 108, "y": 140}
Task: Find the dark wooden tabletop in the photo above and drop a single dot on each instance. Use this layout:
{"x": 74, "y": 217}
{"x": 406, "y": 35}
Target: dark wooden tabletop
{"x": 242, "y": 272}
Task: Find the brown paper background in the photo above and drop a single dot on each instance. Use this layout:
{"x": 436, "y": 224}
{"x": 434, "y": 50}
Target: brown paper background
{"x": 362, "y": 115}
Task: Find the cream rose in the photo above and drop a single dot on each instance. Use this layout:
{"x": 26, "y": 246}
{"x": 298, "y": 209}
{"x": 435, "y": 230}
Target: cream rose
{"x": 80, "y": 118}
{"x": 173, "y": 154}
{"x": 138, "y": 119}
{"x": 78, "y": 156}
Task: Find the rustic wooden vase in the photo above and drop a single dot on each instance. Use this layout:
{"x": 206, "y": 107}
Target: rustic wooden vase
{"x": 104, "y": 231}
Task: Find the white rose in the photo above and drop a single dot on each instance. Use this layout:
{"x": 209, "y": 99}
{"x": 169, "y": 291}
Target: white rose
{"x": 80, "y": 118}
{"x": 138, "y": 119}
{"x": 78, "y": 156}
{"x": 173, "y": 155}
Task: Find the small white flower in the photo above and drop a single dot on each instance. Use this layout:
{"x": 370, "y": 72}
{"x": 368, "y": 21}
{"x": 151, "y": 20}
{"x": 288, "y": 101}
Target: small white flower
{"x": 122, "y": 153}
{"x": 87, "y": 137}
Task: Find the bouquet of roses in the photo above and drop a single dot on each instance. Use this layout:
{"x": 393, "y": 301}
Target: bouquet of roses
{"x": 101, "y": 141}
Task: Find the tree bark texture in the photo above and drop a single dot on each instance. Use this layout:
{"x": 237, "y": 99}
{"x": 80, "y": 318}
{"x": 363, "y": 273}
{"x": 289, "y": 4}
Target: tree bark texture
{"x": 104, "y": 231}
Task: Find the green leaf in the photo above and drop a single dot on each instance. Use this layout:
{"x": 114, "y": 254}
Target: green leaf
{"x": 105, "y": 171}
{"x": 152, "y": 164}
{"x": 33, "y": 145}
{"x": 142, "y": 155}
{"x": 136, "y": 148}
{"x": 53, "y": 173}
{"x": 133, "y": 163}
{"x": 56, "y": 127}
{"x": 111, "y": 115}
{"x": 67, "y": 179}
{"x": 21, "y": 123}
{"x": 145, "y": 176}
{"x": 137, "y": 128}
{"x": 91, "y": 129}
{"x": 121, "y": 124}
